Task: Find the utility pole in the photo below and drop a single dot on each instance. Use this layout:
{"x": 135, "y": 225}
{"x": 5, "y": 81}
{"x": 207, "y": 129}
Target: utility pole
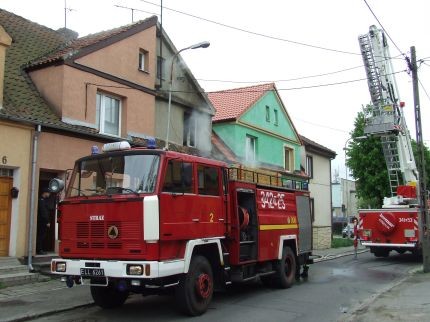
{"x": 422, "y": 193}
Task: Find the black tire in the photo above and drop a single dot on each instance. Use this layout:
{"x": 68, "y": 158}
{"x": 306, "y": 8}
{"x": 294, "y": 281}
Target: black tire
{"x": 381, "y": 252}
{"x": 195, "y": 289}
{"x": 286, "y": 269}
{"x": 108, "y": 297}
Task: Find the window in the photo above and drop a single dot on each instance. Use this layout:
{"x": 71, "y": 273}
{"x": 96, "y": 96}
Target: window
{"x": 143, "y": 60}
{"x": 208, "y": 180}
{"x": 289, "y": 159}
{"x": 121, "y": 174}
{"x": 179, "y": 177}
{"x": 276, "y": 116}
{"x": 309, "y": 166}
{"x": 267, "y": 113}
{"x": 190, "y": 130}
{"x": 160, "y": 67}
{"x": 250, "y": 148}
{"x": 108, "y": 114}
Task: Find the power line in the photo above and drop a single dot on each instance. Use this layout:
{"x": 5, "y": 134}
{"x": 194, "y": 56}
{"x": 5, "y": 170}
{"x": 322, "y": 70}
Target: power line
{"x": 133, "y": 10}
{"x": 380, "y": 24}
{"x": 285, "y": 80}
{"x": 422, "y": 86}
{"x": 254, "y": 32}
{"x": 320, "y": 125}
{"x": 244, "y": 90}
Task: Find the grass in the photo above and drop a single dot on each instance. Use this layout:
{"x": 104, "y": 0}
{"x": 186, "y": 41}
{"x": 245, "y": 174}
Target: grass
{"x": 341, "y": 242}
{"x": 2, "y": 285}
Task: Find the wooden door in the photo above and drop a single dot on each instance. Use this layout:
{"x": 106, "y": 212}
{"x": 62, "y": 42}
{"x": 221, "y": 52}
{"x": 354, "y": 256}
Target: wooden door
{"x": 5, "y": 210}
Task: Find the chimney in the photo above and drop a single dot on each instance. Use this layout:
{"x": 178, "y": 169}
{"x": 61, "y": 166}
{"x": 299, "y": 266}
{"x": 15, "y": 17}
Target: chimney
{"x": 5, "y": 42}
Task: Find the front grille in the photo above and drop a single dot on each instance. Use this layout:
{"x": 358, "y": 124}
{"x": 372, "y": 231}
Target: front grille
{"x": 95, "y": 235}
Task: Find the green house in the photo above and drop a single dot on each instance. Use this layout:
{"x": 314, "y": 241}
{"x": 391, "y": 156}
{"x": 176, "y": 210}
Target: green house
{"x": 255, "y": 126}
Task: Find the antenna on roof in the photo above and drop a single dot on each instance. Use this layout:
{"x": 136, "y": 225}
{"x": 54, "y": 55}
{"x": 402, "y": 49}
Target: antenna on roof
{"x": 65, "y": 13}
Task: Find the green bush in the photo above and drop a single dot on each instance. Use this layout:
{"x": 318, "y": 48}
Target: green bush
{"x": 341, "y": 242}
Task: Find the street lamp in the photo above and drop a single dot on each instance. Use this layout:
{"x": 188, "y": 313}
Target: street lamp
{"x": 358, "y": 138}
{"x": 203, "y": 44}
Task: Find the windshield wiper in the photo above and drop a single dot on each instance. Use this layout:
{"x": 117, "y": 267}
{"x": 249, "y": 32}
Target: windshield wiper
{"x": 109, "y": 190}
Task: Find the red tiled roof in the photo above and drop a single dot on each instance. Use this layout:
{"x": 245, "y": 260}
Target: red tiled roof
{"x": 232, "y": 103}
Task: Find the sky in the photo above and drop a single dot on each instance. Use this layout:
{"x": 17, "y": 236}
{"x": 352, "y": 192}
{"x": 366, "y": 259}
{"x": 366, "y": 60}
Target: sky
{"x": 285, "y": 42}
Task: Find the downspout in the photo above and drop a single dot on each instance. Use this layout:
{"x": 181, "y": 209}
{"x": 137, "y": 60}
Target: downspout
{"x": 32, "y": 198}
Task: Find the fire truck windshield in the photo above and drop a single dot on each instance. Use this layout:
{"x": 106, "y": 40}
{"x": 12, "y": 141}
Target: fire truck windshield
{"x": 118, "y": 174}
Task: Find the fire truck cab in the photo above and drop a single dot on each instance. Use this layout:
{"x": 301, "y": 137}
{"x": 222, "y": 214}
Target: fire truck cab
{"x": 139, "y": 220}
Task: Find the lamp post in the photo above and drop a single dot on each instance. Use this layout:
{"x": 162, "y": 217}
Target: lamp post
{"x": 203, "y": 44}
{"x": 358, "y": 138}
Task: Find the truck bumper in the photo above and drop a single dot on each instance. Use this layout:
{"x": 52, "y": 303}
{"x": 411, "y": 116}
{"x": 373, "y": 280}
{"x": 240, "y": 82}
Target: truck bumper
{"x": 116, "y": 269}
{"x": 370, "y": 244}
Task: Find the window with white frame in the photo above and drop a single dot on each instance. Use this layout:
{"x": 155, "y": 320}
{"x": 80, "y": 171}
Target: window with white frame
{"x": 108, "y": 114}
{"x": 289, "y": 159}
{"x": 309, "y": 166}
{"x": 251, "y": 148}
{"x": 190, "y": 130}
{"x": 143, "y": 60}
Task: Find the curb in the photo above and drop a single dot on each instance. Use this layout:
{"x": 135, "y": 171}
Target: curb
{"x": 48, "y": 313}
{"x": 334, "y": 256}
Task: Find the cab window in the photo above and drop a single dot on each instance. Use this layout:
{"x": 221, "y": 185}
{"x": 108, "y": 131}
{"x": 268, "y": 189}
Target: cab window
{"x": 179, "y": 177}
{"x": 208, "y": 180}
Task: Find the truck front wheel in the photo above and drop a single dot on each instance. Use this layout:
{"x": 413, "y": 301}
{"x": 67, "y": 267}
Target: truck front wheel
{"x": 108, "y": 297}
{"x": 286, "y": 269}
{"x": 195, "y": 289}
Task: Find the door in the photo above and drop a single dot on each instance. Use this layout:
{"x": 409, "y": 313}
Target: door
{"x": 5, "y": 210}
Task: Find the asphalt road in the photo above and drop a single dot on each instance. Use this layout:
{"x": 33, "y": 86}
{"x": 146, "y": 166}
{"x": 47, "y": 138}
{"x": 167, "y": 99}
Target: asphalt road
{"x": 334, "y": 289}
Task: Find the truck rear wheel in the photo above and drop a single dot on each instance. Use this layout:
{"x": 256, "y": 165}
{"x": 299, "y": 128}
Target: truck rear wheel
{"x": 381, "y": 252}
{"x": 286, "y": 269}
{"x": 108, "y": 297}
{"x": 195, "y": 289}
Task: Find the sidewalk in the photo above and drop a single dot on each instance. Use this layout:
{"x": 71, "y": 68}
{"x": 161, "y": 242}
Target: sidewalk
{"x": 406, "y": 301}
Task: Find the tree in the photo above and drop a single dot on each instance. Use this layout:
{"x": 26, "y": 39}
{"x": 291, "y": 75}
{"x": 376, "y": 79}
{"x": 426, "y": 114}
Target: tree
{"x": 368, "y": 167}
{"x": 367, "y": 164}
{"x": 426, "y": 160}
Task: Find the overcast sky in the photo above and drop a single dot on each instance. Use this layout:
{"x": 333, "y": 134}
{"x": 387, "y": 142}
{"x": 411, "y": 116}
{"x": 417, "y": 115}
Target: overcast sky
{"x": 277, "y": 41}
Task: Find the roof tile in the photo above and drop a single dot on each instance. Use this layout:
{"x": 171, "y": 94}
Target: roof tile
{"x": 232, "y": 103}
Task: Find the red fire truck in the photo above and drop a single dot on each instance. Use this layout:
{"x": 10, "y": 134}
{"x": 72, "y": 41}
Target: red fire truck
{"x": 396, "y": 225}
{"x": 143, "y": 220}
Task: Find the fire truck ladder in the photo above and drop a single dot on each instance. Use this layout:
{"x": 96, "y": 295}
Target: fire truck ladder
{"x": 373, "y": 73}
{"x": 392, "y": 159}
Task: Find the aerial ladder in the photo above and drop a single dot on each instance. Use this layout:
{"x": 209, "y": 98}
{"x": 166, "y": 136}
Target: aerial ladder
{"x": 384, "y": 117}
{"x": 396, "y": 225}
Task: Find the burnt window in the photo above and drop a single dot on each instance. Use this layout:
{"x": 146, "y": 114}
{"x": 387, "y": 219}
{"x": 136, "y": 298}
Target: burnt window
{"x": 190, "y": 130}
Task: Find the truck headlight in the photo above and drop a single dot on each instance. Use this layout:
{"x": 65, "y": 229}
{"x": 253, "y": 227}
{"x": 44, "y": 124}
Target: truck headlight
{"x": 59, "y": 267}
{"x": 134, "y": 269}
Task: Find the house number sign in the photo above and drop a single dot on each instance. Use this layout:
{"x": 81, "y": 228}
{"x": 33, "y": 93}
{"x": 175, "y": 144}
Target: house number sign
{"x": 4, "y": 159}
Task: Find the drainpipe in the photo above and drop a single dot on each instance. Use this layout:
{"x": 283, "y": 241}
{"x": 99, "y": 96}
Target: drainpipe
{"x": 32, "y": 198}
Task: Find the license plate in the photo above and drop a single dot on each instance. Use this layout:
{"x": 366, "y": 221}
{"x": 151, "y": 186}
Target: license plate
{"x": 93, "y": 272}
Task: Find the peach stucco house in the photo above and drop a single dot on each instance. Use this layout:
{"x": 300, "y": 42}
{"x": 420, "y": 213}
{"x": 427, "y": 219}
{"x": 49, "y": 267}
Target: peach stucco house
{"x": 62, "y": 97}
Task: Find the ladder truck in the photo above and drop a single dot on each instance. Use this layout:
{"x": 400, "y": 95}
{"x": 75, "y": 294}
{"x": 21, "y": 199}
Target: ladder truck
{"x": 396, "y": 225}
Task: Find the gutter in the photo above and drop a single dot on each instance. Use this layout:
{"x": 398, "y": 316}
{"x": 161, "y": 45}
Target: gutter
{"x": 33, "y": 198}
